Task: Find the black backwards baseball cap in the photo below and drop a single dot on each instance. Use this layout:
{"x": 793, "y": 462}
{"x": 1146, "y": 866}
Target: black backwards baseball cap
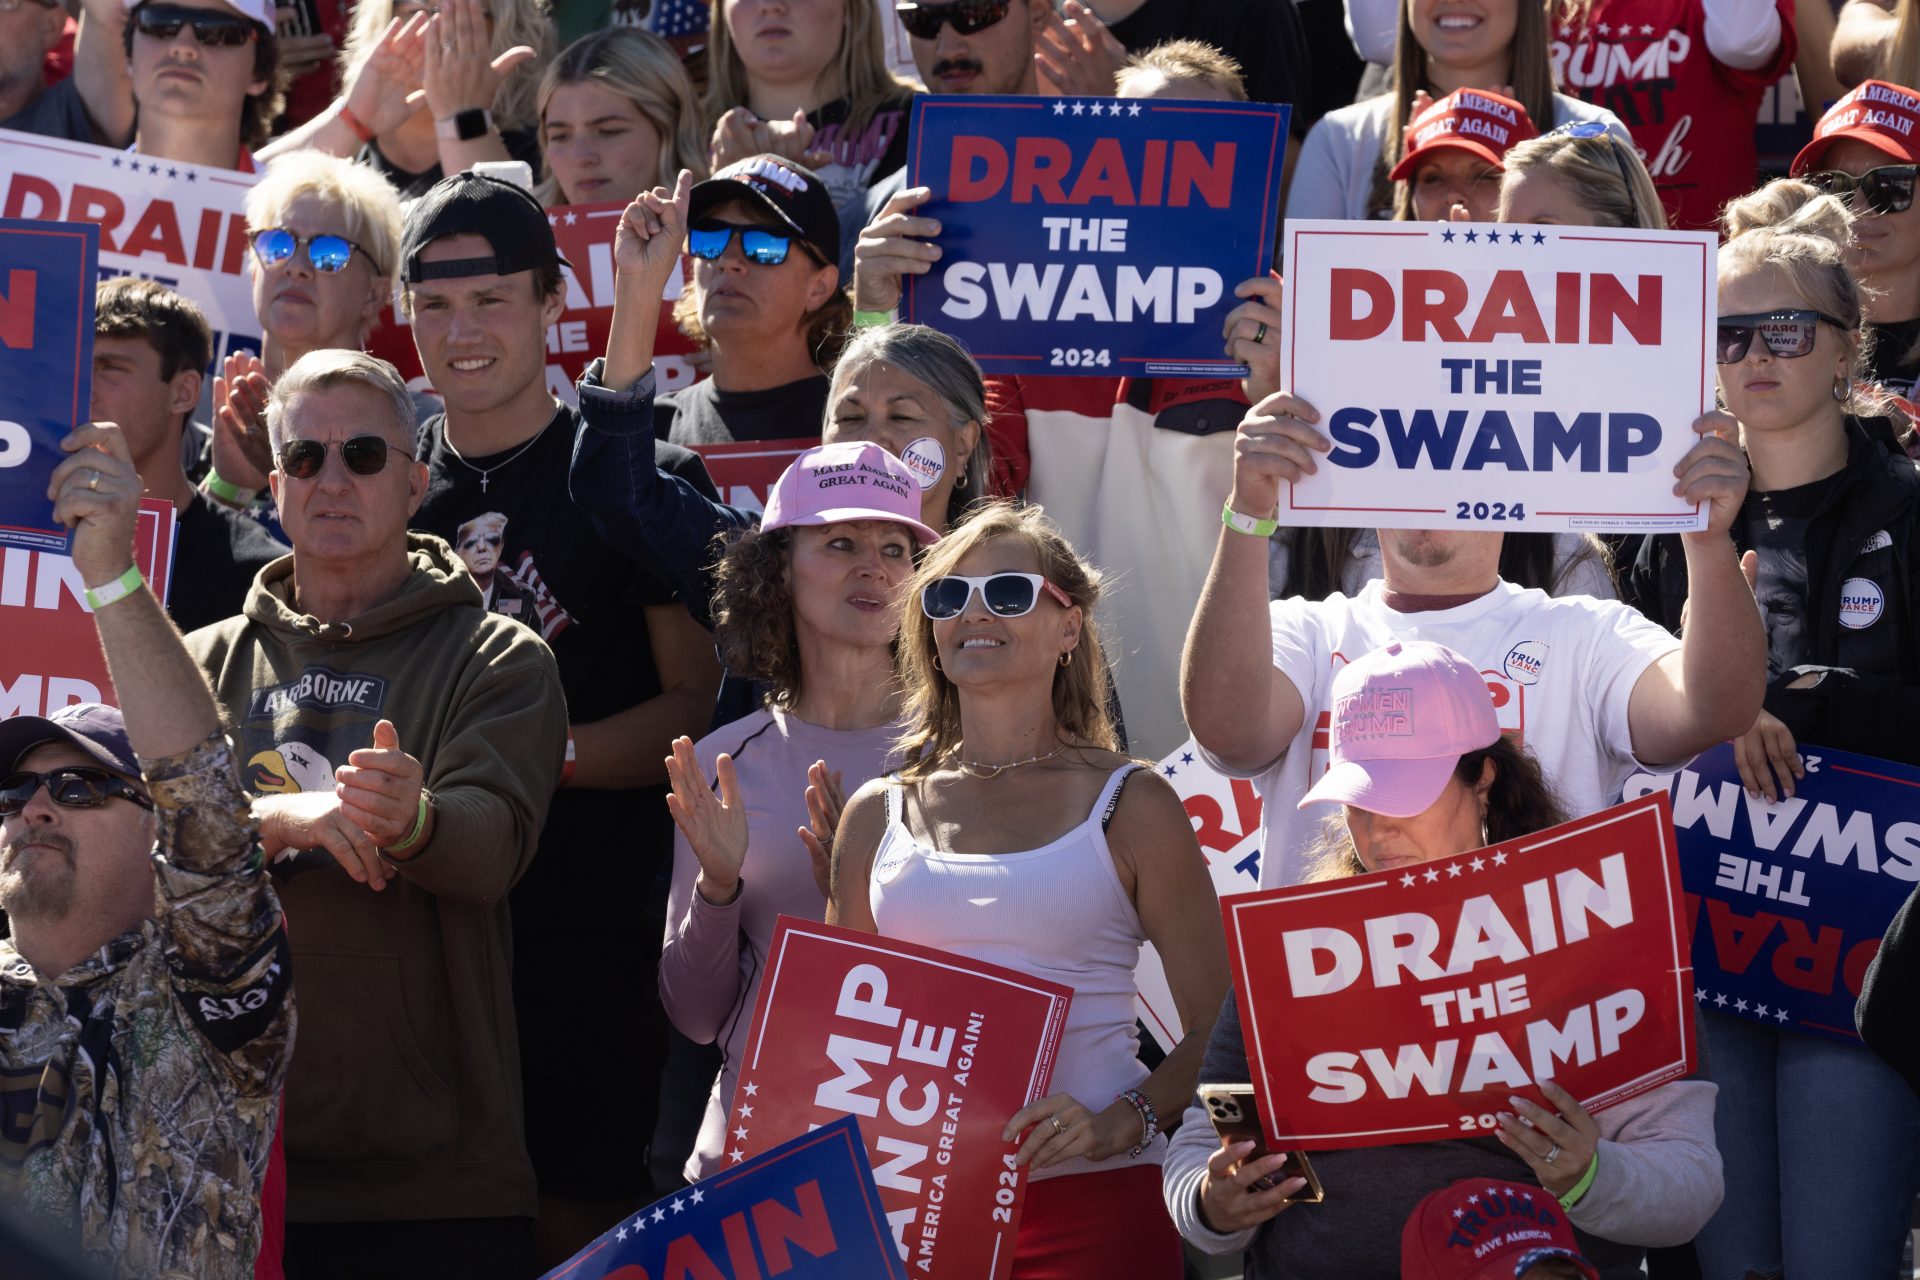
{"x": 506, "y": 216}
{"x": 100, "y": 731}
{"x": 791, "y": 192}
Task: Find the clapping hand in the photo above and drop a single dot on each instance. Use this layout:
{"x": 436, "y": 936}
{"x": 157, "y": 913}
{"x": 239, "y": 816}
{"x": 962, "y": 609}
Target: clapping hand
{"x": 826, "y": 797}
{"x": 715, "y": 826}
{"x": 379, "y": 788}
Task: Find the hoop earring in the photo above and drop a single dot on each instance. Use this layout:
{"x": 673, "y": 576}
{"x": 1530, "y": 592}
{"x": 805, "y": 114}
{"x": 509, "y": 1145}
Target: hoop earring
{"x": 1066, "y": 657}
{"x": 962, "y": 480}
{"x": 1840, "y": 389}
{"x": 936, "y": 663}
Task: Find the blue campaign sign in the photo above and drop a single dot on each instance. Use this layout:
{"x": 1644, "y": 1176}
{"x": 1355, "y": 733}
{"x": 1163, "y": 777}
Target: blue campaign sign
{"x": 47, "y": 274}
{"x": 1095, "y": 236}
{"x": 1788, "y": 901}
{"x": 804, "y": 1210}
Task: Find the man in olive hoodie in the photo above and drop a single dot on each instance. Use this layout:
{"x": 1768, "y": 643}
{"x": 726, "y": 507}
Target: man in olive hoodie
{"x": 403, "y": 743}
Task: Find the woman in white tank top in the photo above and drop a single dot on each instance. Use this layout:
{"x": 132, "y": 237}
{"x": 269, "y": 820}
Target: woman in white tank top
{"x": 1015, "y": 833}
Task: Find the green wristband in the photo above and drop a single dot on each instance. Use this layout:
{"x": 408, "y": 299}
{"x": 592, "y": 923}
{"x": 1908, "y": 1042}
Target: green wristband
{"x": 120, "y": 588}
{"x": 413, "y": 836}
{"x": 227, "y": 491}
{"x": 1247, "y": 524}
{"x": 1579, "y": 1188}
{"x": 872, "y": 319}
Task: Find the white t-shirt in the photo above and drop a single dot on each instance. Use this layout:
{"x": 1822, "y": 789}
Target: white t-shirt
{"x": 1560, "y": 670}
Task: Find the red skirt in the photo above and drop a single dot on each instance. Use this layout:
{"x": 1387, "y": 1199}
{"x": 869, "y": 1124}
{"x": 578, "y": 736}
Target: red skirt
{"x": 1087, "y": 1225}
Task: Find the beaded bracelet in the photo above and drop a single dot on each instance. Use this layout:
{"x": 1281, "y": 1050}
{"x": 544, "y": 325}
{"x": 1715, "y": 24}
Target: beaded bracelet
{"x": 1149, "y": 1122}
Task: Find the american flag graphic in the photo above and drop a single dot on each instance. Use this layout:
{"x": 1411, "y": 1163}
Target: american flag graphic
{"x": 681, "y": 23}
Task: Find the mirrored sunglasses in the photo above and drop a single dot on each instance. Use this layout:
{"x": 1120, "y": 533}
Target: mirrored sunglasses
{"x": 274, "y": 246}
{"x": 1787, "y": 334}
{"x": 72, "y": 787}
{"x": 763, "y": 246}
{"x": 1006, "y": 595}
{"x": 967, "y": 17}
{"x": 210, "y": 26}
{"x": 1887, "y": 189}
{"x": 364, "y": 456}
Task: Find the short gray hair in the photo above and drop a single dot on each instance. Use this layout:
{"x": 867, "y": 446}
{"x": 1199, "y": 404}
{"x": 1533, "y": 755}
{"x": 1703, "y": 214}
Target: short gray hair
{"x": 338, "y": 367}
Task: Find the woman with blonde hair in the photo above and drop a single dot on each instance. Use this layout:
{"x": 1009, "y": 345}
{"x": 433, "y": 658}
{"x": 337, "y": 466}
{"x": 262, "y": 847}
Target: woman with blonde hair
{"x": 617, "y": 117}
{"x": 433, "y": 89}
{"x": 809, "y": 79}
{"x": 1346, "y": 158}
{"x": 1016, "y": 832}
{"x": 1831, "y": 529}
{"x": 1584, "y": 174}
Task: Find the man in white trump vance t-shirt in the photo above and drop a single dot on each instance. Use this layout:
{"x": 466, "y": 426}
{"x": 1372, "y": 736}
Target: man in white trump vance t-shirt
{"x": 1591, "y": 687}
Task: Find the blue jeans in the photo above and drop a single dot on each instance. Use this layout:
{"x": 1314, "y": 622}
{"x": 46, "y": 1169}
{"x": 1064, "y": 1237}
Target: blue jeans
{"x": 1821, "y": 1147}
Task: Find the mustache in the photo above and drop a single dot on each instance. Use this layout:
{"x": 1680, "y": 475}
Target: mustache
{"x": 51, "y": 838}
{"x": 955, "y": 64}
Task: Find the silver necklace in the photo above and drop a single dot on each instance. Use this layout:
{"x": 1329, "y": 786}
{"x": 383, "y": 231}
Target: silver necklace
{"x": 980, "y": 770}
{"x": 447, "y": 437}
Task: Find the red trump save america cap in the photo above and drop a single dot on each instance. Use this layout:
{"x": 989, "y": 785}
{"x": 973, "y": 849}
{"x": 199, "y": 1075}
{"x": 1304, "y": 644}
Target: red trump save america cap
{"x": 1479, "y": 1230}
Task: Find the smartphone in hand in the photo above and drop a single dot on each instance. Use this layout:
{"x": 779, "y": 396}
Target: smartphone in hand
{"x": 1235, "y": 1113}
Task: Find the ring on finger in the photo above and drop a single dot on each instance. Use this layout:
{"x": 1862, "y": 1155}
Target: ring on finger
{"x": 93, "y": 481}
{"x": 1260, "y": 333}
{"x": 1552, "y": 1155}
{"x": 1057, "y": 1126}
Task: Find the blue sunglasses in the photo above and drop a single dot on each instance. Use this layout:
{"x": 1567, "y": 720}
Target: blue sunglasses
{"x": 762, "y": 246}
{"x": 328, "y": 253}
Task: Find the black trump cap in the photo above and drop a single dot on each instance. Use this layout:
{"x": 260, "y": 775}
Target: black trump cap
{"x": 503, "y": 214}
{"x": 792, "y": 193}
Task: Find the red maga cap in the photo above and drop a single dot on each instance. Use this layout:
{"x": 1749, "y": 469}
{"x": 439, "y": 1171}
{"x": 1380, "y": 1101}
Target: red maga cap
{"x": 1479, "y": 1230}
{"x": 1474, "y": 120}
{"x": 1884, "y": 116}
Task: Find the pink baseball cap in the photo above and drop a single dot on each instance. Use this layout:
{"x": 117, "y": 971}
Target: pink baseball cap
{"x": 1403, "y": 716}
{"x": 1479, "y": 1230}
{"x": 1884, "y": 116}
{"x": 849, "y": 480}
{"x": 1486, "y": 124}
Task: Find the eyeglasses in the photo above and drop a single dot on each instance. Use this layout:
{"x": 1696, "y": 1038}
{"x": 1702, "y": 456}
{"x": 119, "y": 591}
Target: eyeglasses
{"x": 72, "y": 787}
{"x": 1888, "y": 189}
{"x": 1787, "y": 334}
{"x": 763, "y": 246}
{"x": 210, "y": 26}
{"x": 1007, "y": 595}
{"x": 364, "y": 456}
{"x": 328, "y": 253}
{"x": 968, "y": 17}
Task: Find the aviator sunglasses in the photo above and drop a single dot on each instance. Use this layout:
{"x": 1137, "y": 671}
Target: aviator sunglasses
{"x": 1787, "y": 334}
{"x": 762, "y": 246}
{"x": 328, "y": 253}
{"x": 364, "y": 456}
{"x": 1007, "y": 595}
{"x": 210, "y": 26}
{"x": 967, "y": 17}
{"x": 72, "y": 787}
{"x": 1888, "y": 189}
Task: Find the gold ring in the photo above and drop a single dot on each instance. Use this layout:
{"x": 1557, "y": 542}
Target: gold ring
{"x": 1057, "y": 1126}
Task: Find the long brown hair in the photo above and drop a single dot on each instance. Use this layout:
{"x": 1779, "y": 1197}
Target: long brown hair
{"x": 932, "y": 711}
{"x": 866, "y": 82}
{"x": 1519, "y": 803}
{"x": 753, "y": 612}
{"x": 1531, "y": 77}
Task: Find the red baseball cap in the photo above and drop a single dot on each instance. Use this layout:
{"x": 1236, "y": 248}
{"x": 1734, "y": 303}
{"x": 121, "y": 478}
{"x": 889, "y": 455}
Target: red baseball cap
{"x": 1474, "y": 120}
{"x": 1476, "y": 1230}
{"x": 1884, "y": 116}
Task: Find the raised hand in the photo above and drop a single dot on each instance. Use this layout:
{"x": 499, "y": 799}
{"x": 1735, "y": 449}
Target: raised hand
{"x": 241, "y": 451}
{"x": 1715, "y": 472}
{"x": 1075, "y": 54}
{"x": 826, "y": 797}
{"x": 715, "y": 826}
{"x": 652, "y": 232}
{"x": 385, "y": 88}
{"x": 379, "y": 787}
{"x": 96, "y": 493}
{"x": 1252, "y": 333}
{"x": 896, "y": 243}
{"x": 740, "y": 133}
{"x": 1274, "y": 446}
{"x": 461, "y": 72}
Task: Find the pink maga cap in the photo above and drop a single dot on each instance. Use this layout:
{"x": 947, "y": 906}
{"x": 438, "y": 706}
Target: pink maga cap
{"x": 1884, "y": 116}
{"x": 850, "y": 480}
{"x": 1403, "y": 716}
{"x": 1474, "y": 1231}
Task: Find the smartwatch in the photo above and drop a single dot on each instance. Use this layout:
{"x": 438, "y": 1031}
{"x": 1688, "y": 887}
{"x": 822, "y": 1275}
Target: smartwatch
{"x": 465, "y": 126}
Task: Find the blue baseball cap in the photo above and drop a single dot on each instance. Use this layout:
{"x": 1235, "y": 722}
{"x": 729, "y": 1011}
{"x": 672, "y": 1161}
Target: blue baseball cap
{"x": 98, "y": 730}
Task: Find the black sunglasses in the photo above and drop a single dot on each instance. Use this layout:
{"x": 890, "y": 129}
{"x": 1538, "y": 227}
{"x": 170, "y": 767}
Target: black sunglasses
{"x": 1888, "y": 189}
{"x": 1787, "y": 334}
{"x": 364, "y": 456}
{"x": 210, "y": 26}
{"x": 71, "y": 787}
{"x": 968, "y": 17}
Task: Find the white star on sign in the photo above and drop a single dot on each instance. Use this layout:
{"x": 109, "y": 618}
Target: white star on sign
{"x": 1719, "y": 1001}
{"x": 678, "y": 1204}
{"x": 740, "y": 1134}
{"x": 1134, "y": 110}
{"x": 1453, "y": 871}
{"x": 1478, "y": 864}
{"x": 1779, "y": 1013}
{"x": 1431, "y": 876}
{"x": 572, "y": 217}
{"x": 1459, "y": 1213}
{"x": 621, "y": 1234}
{"x": 1079, "y": 109}
{"x": 746, "y": 1112}
{"x": 1473, "y": 1199}
{"x": 752, "y": 1089}
{"x": 1499, "y": 859}
{"x": 737, "y": 1155}
{"x": 1740, "y": 1005}
{"x": 1761, "y": 1010}
{"x": 659, "y": 1214}
{"x": 1700, "y": 994}
{"x": 1406, "y": 881}
{"x": 1060, "y": 108}
{"x": 698, "y": 1195}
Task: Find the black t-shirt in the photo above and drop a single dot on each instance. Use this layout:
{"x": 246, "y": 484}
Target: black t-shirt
{"x": 1264, "y": 36}
{"x": 1896, "y": 363}
{"x": 1777, "y": 526}
{"x": 704, "y": 414}
{"x": 215, "y": 557}
{"x": 59, "y": 112}
{"x": 538, "y": 558}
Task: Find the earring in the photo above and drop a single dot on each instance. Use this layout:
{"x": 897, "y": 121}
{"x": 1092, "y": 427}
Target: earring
{"x": 1840, "y": 389}
{"x": 936, "y": 663}
{"x": 1066, "y": 657}
{"x": 962, "y": 480}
